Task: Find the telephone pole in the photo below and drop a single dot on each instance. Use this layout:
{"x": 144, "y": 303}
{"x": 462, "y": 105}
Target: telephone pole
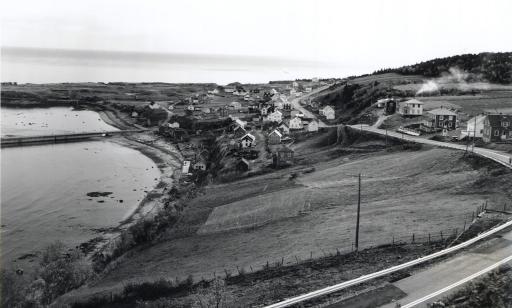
{"x": 358, "y": 213}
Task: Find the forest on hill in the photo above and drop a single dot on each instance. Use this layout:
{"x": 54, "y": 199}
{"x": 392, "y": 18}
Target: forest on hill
{"x": 491, "y": 67}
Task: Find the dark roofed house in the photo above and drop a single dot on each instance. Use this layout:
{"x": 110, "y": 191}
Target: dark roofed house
{"x": 441, "y": 118}
{"x": 243, "y": 165}
{"x": 497, "y": 128}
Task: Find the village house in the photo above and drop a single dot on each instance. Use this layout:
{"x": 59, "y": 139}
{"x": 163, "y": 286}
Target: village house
{"x": 282, "y": 156}
{"x": 274, "y": 92}
{"x": 265, "y": 109}
{"x": 412, "y": 107}
{"x": 381, "y": 103}
{"x": 497, "y": 128}
{"x": 135, "y": 114}
{"x": 441, "y": 118}
{"x": 312, "y": 126}
{"x": 239, "y": 132}
{"x": 295, "y": 123}
{"x": 274, "y": 137}
{"x": 474, "y": 127}
{"x": 235, "y": 105}
{"x": 295, "y": 84}
{"x": 315, "y": 79}
{"x": 275, "y": 116}
{"x": 229, "y": 90}
{"x": 239, "y": 122}
{"x": 190, "y": 107}
{"x": 308, "y": 89}
{"x": 243, "y": 165}
{"x": 327, "y": 112}
{"x": 284, "y": 128}
{"x": 199, "y": 165}
{"x": 186, "y": 167}
{"x": 206, "y": 110}
{"x": 247, "y": 141}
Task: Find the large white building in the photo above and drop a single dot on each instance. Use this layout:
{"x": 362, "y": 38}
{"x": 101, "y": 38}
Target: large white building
{"x": 295, "y": 123}
{"x": 275, "y": 116}
{"x": 475, "y": 127}
{"x": 412, "y": 107}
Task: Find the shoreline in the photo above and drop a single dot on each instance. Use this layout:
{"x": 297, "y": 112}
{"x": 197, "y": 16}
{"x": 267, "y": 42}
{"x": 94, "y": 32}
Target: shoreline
{"x": 163, "y": 154}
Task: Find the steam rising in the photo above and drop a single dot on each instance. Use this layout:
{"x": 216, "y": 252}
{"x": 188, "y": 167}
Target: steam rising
{"x": 455, "y": 79}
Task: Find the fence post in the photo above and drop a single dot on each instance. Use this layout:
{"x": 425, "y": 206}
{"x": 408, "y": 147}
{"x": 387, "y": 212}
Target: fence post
{"x": 464, "y": 225}
{"x": 429, "y": 238}
{"x": 310, "y": 255}
{"x": 486, "y": 204}
{"x": 441, "y": 236}
{"x": 413, "y": 237}
{"x": 393, "y": 243}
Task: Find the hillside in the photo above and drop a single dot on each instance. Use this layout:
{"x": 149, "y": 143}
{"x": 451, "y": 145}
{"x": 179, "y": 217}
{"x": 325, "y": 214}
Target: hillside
{"x": 275, "y": 217}
{"x": 491, "y": 67}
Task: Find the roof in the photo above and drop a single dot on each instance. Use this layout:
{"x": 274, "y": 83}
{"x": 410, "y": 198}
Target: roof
{"x": 277, "y": 111}
{"x": 413, "y": 101}
{"x": 479, "y": 118}
{"x": 248, "y": 136}
{"x": 442, "y": 111}
{"x": 245, "y": 161}
{"x": 283, "y": 123}
{"x": 328, "y": 107}
{"x": 275, "y": 131}
{"x": 496, "y": 119}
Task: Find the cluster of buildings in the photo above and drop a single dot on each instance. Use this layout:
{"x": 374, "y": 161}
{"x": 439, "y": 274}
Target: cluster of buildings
{"x": 488, "y": 127}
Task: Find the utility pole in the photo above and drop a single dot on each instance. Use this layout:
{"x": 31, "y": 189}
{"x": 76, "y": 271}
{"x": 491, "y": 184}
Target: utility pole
{"x": 474, "y": 134}
{"x": 358, "y": 212}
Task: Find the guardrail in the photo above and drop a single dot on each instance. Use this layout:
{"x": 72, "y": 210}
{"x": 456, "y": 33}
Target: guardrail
{"x": 346, "y": 284}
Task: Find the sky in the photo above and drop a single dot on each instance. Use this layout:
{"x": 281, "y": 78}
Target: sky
{"x": 374, "y": 33}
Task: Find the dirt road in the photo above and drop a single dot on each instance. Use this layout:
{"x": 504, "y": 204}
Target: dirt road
{"x": 498, "y": 156}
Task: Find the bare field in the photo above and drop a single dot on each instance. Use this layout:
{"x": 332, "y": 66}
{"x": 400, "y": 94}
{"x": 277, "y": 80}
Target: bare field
{"x": 419, "y": 192}
{"x": 490, "y": 101}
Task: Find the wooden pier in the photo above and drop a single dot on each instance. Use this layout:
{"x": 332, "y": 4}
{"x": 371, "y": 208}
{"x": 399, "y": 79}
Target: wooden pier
{"x": 61, "y": 138}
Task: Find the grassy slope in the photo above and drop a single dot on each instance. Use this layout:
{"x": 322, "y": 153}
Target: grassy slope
{"x": 403, "y": 192}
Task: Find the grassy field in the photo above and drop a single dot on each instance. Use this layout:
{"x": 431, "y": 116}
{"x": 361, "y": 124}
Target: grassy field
{"x": 233, "y": 225}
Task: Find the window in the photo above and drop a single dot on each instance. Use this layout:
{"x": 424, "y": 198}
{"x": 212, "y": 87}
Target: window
{"x": 496, "y": 133}
{"x": 504, "y": 124}
{"x": 450, "y": 118}
{"x": 449, "y": 124}
{"x": 440, "y": 117}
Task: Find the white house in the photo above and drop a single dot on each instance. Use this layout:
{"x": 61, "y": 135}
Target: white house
{"x": 240, "y": 122}
{"x": 309, "y": 89}
{"x": 475, "y": 127}
{"x": 314, "y": 79}
{"x": 206, "y": 110}
{"x": 247, "y": 141}
{"x": 275, "y": 116}
{"x": 135, "y": 114}
{"x": 235, "y": 105}
{"x": 229, "y": 90}
{"x": 284, "y": 128}
{"x": 296, "y": 123}
{"x": 312, "y": 126}
{"x": 186, "y": 166}
{"x": 295, "y": 84}
{"x": 412, "y": 107}
{"x": 274, "y": 92}
{"x": 190, "y": 107}
{"x": 174, "y": 125}
{"x": 327, "y": 112}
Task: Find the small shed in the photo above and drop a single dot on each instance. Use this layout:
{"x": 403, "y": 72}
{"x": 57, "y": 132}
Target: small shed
{"x": 243, "y": 165}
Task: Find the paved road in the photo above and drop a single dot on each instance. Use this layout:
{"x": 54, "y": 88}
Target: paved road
{"x": 448, "y": 273}
{"x": 296, "y": 105}
{"x": 501, "y": 157}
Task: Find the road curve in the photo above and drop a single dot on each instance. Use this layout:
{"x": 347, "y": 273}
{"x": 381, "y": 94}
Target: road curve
{"x": 498, "y": 156}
